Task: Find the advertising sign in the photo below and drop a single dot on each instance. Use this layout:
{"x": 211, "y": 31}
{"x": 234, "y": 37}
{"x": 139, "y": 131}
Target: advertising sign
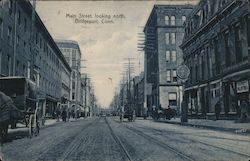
{"x": 242, "y": 86}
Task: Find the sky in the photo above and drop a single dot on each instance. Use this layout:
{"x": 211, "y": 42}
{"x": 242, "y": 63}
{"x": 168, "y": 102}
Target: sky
{"x": 105, "y": 42}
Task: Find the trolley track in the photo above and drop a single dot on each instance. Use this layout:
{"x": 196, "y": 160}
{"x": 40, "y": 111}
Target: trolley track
{"x": 118, "y": 141}
{"x": 70, "y": 144}
{"x": 218, "y": 146}
{"x": 159, "y": 143}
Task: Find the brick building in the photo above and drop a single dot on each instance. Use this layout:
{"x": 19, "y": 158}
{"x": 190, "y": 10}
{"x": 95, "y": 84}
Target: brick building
{"x": 138, "y": 82}
{"x": 27, "y": 49}
{"x": 164, "y": 32}
{"x": 216, "y": 48}
{"x": 72, "y": 54}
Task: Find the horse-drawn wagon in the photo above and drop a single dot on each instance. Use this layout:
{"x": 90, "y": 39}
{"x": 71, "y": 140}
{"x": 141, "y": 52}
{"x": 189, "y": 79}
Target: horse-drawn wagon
{"x": 18, "y": 104}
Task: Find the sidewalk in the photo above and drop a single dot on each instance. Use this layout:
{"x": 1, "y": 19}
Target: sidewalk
{"x": 23, "y": 128}
{"x": 220, "y": 125}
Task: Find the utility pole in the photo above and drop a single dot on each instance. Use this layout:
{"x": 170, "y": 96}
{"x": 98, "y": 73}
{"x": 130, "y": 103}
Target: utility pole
{"x": 85, "y": 95}
{"x": 129, "y": 70}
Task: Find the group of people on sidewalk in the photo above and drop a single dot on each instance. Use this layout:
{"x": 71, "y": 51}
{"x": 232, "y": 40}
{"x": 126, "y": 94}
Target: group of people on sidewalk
{"x": 242, "y": 111}
{"x": 66, "y": 115}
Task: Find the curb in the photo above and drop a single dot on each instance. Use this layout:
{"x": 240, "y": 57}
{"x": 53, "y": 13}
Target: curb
{"x": 231, "y": 130}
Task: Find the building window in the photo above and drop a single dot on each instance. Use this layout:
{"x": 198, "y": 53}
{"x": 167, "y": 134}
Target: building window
{"x": 1, "y": 28}
{"x": 9, "y": 65}
{"x": 183, "y": 18}
{"x": 172, "y": 20}
{"x": 248, "y": 33}
{"x": 167, "y": 38}
{"x": 173, "y": 55}
{"x": 217, "y": 55}
{"x": 25, "y": 24}
{"x": 166, "y": 20}
{"x": 168, "y": 75}
{"x": 41, "y": 42}
{"x": 28, "y": 70}
{"x": 24, "y": 44}
{"x": 1, "y": 61}
{"x": 174, "y": 75}
{"x": 24, "y": 70}
{"x": 9, "y": 35}
{"x": 36, "y": 38}
{"x": 227, "y": 51}
{"x": 238, "y": 47}
{"x": 182, "y": 35}
{"x": 19, "y": 17}
{"x": 17, "y": 67}
{"x": 172, "y": 98}
{"x": 17, "y": 39}
{"x": 167, "y": 55}
{"x": 73, "y": 96}
{"x": 173, "y": 39}
{"x": 10, "y": 4}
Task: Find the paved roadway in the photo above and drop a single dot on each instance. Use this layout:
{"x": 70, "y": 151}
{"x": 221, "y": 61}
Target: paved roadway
{"x": 108, "y": 139}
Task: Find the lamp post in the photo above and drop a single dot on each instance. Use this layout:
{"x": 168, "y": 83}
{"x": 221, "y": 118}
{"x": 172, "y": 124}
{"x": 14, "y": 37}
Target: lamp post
{"x": 183, "y": 73}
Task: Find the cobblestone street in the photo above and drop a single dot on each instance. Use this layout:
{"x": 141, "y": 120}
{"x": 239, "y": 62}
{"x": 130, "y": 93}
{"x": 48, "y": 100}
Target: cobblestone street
{"x": 106, "y": 138}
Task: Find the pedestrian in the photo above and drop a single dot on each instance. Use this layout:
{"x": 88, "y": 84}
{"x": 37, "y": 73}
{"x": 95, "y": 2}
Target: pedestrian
{"x": 64, "y": 115}
{"x": 217, "y": 110}
{"x": 244, "y": 117}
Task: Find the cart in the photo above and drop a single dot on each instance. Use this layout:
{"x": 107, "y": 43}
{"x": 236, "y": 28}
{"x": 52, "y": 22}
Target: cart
{"x": 18, "y": 104}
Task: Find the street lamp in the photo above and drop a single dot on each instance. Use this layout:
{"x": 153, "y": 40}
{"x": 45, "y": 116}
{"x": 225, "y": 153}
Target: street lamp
{"x": 183, "y": 73}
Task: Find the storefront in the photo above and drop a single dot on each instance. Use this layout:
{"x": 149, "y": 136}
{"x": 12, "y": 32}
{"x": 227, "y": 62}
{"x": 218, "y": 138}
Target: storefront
{"x": 236, "y": 88}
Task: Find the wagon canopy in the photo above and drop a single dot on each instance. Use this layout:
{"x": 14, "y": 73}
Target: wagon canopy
{"x": 7, "y": 109}
{"x": 4, "y": 99}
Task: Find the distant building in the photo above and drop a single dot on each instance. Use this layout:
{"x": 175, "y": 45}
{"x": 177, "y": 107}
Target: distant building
{"x": 72, "y": 54}
{"x": 27, "y": 49}
{"x": 138, "y": 82}
{"x": 164, "y": 33}
{"x": 216, "y": 49}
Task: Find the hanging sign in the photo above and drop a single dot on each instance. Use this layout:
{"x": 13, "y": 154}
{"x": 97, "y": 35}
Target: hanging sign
{"x": 242, "y": 86}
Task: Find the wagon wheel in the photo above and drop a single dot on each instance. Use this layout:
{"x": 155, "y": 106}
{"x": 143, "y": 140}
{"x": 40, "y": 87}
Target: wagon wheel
{"x": 31, "y": 125}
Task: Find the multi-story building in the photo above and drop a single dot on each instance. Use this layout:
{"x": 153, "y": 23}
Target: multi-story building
{"x": 65, "y": 94}
{"x": 89, "y": 99}
{"x": 27, "y": 49}
{"x": 72, "y": 54}
{"x": 164, "y": 32}
{"x": 138, "y": 83}
{"x": 216, "y": 49}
